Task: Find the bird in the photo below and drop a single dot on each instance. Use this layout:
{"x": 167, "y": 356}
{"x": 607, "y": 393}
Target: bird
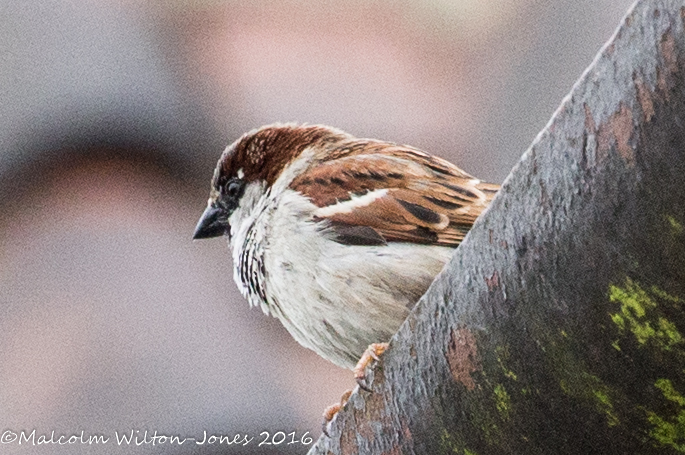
{"x": 337, "y": 237}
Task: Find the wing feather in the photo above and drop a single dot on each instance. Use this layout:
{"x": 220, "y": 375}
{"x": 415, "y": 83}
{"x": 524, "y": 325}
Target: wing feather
{"x": 376, "y": 193}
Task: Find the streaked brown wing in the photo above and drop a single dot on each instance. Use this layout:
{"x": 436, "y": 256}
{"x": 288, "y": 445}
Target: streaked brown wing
{"x": 395, "y": 194}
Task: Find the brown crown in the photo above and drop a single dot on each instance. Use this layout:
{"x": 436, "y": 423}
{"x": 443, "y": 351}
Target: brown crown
{"x": 264, "y": 152}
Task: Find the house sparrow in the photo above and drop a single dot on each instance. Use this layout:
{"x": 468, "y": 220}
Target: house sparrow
{"x": 337, "y": 237}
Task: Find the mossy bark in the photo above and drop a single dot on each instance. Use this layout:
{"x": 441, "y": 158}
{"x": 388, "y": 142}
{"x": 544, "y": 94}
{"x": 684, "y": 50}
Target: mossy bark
{"x": 559, "y": 325}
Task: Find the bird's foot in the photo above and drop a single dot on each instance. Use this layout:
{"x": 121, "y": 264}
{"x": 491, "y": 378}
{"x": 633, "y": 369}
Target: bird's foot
{"x": 371, "y": 354}
{"x": 333, "y": 409}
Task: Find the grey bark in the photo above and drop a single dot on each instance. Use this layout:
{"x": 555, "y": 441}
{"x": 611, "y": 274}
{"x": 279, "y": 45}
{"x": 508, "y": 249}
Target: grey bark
{"x": 558, "y": 327}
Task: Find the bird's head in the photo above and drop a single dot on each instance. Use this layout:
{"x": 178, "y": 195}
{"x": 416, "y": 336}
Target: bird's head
{"x": 258, "y": 158}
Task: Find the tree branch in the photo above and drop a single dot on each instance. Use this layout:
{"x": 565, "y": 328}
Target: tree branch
{"x": 558, "y": 325}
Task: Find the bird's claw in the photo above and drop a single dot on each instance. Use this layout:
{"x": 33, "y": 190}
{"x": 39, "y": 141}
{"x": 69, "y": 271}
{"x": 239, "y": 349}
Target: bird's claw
{"x": 371, "y": 354}
{"x": 332, "y": 410}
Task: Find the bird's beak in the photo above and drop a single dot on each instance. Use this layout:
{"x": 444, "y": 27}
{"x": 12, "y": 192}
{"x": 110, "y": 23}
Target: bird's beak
{"x": 213, "y": 223}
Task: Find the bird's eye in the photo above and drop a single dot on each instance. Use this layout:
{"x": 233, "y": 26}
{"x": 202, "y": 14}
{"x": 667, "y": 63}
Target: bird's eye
{"x": 232, "y": 188}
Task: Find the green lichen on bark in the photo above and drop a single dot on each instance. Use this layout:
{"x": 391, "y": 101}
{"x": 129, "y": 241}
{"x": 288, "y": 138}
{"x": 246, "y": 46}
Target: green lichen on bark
{"x": 503, "y": 356}
{"x": 641, "y": 312}
{"x": 669, "y": 430}
{"x": 449, "y": 445}
{"x": 675, "y": 225}
{"x": 578, "y": 381}
{"x": 503, "y": 401}
{"x": 489, "y": 411}
{"x": 646, "y": 319}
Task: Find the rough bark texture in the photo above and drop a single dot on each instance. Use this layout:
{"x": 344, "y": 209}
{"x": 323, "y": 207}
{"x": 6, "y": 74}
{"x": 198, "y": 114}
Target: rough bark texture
{"x": 558, "y": 326}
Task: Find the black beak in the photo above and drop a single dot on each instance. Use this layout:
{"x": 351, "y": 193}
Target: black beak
{"x": 213, "y": 223}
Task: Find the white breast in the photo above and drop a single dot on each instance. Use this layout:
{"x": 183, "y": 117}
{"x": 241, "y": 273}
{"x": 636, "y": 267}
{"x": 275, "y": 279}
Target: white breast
{"x": 334, "y": 299}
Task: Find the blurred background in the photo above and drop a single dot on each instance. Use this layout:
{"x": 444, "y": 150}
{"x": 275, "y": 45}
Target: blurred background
{"x": 112, "y": 116}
